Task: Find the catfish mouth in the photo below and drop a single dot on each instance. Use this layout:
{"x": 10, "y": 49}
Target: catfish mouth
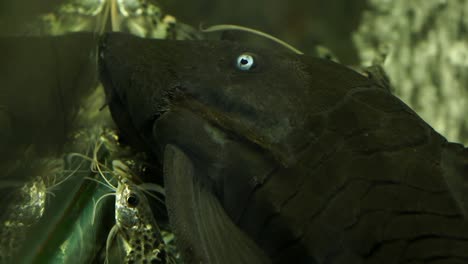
{"x": 227, "y": 125}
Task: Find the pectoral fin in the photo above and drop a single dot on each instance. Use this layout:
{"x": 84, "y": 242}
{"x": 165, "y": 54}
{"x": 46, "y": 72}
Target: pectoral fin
{"x": 204, "y": 232}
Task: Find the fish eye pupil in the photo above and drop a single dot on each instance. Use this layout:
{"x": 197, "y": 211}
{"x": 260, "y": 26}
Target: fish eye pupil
{"x": 132, "y": 200}
{"x": 245, "y": 62}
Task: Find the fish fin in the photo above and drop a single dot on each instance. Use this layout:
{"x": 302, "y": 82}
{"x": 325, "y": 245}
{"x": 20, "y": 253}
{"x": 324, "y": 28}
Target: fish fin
{"x": 203, "y": 230}
{"x": 455, "y": 170}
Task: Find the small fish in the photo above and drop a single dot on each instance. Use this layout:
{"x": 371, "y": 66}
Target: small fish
{"x": 273, "y": 157}
{"x": 134, "y": 221}
{"x": 135, "y": 225}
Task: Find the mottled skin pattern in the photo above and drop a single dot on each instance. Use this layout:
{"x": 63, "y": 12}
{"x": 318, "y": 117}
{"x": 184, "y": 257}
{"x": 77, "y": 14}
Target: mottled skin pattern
{"x": 314, "y": 162}
{"x": 135, "y": 222}
{"x": 25, "y": 209}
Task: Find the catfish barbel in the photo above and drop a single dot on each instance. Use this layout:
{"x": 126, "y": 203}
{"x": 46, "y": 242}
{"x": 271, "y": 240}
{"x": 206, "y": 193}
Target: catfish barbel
{"x": 272, "y": 157}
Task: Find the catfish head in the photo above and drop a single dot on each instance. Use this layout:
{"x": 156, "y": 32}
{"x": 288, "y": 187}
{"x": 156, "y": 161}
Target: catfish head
{"x": 267, "y": 98}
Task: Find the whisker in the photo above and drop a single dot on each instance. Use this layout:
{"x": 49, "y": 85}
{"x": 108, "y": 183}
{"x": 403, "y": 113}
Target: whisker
{"x": 67, "y": 177}
{"x": 152, "y": 195}
{"x": 96, "y": 149}
{"x": 253, "y": 31}
{"x": 110, "y": 238}
{"x": 100, "y": 182}
{"x": 97, "y": 202}
{"x": 79, "y": 155}
{"x": 152, "y": 187}
{"x": 75, "y": 170}
{"x": 101, "y": 173}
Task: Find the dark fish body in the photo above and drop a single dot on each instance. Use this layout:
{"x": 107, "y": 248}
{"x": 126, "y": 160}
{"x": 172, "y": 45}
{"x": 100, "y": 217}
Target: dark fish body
{"x": 298, "y": 160}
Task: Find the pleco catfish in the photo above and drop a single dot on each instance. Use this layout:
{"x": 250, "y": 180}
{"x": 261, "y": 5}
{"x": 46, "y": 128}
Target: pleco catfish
{"x": 272, "y": 157}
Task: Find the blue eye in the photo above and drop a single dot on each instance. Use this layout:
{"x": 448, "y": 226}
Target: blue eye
{"x": 245, "y": 62}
